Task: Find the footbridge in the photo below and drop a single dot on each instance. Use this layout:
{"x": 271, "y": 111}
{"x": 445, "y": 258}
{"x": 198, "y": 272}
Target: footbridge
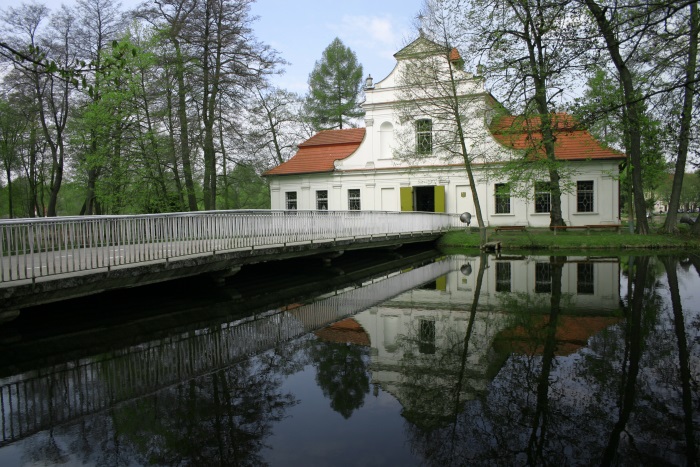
{"x": 52, "y": 259}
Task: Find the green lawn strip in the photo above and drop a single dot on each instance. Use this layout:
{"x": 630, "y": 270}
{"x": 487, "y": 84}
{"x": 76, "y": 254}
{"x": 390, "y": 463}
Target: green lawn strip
{"x": 543, "y": 238}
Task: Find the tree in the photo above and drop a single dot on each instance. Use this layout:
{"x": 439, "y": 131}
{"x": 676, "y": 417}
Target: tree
{"x": 267, "y": 134}
{"x": 334, "y": 88}
{"x": 603, "y": 107}
{"x": 51, "y": 93}
{"x": 12, "y": 127}
{"x": 171, "y": 18}
{"x": 106, "y": 135}
{"x": 434, "y": 85}
{"x": 684, "y": 132}
{"x": 526, "y": 48}
{"x": 231, "y": 62}
{"x": 213, "y": 63}
{"x": 276, "y": 126}
{"x": 627, "y": 23}
{"x": 100, "y": 24}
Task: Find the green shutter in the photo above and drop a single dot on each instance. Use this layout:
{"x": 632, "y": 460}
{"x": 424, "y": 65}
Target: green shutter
{"x": 441, "y": 283}
{"x": 439, "y": 198}
{"x": 406, "y": 198}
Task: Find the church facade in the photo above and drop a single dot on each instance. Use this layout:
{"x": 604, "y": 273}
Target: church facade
{"x": 404, "y": 162}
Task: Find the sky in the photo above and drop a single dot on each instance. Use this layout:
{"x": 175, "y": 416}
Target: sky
{"x": 301, "y": 29}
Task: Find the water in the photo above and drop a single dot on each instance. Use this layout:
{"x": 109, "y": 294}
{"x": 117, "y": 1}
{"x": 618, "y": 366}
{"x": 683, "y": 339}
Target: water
{"x": 384, "y": 358}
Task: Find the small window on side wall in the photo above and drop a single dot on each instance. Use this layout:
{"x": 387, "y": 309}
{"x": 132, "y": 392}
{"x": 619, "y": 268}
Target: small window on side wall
{"x": 584, "y": 196}
{"x": 322, "y": 200}
{"x": 291, "y": 198}
{"x": 543, "y": 197}
{"x": 424, "y": 136}
{"x": 354, "y": 199}
{"x": 502, "y": 194}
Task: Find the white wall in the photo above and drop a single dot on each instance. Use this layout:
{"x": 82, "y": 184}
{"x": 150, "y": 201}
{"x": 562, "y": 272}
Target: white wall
{"x": 379, "y": 175}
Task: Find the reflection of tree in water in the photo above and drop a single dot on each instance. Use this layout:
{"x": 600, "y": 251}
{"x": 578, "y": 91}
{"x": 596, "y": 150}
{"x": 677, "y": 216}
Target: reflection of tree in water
{"x": 221, "y": 418}
{"x": 341, "y": 373}
{"x": 435, "y": 378}
{"x": 624, "y": 398}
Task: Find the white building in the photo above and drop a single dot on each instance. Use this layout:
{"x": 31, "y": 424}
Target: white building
{"x": 367, "y": 168}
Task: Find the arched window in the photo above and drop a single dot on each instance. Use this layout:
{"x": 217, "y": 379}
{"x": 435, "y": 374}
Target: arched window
{"x": 386, "y": 138}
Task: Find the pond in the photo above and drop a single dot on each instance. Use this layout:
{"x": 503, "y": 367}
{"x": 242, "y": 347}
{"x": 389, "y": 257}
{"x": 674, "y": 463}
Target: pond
{"x": 401, "y": 357}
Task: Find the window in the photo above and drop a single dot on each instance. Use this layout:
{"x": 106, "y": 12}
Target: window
{"x": 543, "y": 197}
{"x": 424, "y": 136}
{"x": 426, "y": 338}
{"x": 354, "y": 200}
{"x": 502, "y": 194}
{"x": 291, "y": 199}
{"x": 503, "y": 277}
{"x": 584, "y": 278}
{"x": 584, "y": 196}
{"x": 543, "y": 278}
{"x": 322, "y": 200}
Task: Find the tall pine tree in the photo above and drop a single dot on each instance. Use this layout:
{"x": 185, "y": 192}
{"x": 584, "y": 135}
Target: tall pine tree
{"x": 334, "y": 88}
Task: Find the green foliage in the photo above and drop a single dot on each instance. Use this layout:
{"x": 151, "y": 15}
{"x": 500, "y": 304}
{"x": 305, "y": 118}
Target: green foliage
{"x": 71, "y": 199}
{"x": 602, "y": 111}
{"x": 342, "y": 374}
{"x": 334, "y": 88}
{"x": 690, "y": 192}
{"x": 121, "y": 158}
{"x": 244, "y": 189}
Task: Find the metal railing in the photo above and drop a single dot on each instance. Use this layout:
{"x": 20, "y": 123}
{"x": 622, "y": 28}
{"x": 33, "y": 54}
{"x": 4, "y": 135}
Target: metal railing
{"x": 34, "y": 248}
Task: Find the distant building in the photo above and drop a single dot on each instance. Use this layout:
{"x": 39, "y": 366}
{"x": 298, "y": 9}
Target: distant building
{"x": 358, "y": 169}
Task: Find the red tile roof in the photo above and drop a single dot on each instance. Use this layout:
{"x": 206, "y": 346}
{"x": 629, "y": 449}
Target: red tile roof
{"x": 347, "y": 331}
{"x": 318, "y": 153}
{"x": 572, "y": 142}
{"x": 572, "y": 333}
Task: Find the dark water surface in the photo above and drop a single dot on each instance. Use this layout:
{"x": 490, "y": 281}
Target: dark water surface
{"x": 382, "y": 358}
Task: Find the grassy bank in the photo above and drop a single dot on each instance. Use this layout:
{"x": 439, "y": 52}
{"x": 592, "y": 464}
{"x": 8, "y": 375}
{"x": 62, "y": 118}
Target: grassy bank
{"x": 544, "y": 239}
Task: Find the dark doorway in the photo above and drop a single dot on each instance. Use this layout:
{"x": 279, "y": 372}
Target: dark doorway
{"x": 425, "y": 198}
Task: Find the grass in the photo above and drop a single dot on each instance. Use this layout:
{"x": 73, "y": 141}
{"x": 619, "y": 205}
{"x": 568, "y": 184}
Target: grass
{"x": 544, "y": 239}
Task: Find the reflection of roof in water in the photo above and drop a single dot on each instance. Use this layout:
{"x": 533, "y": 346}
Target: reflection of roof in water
{"x": 572, "y": 333}
{"x": 347, "y": 331}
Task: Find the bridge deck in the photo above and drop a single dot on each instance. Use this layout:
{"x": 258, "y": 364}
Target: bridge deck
{"x": 49, "y": 259}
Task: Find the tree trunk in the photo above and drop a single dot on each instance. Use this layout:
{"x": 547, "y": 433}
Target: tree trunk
{"x": 173, "y": 152}
{"x": 683, "y": 359}
{"x": 89, "y": 204}
{"x": 670, "y": 225}
{"x": 9, "y": 190}
{"x": 634, "y": 112}
{"x": 538, "y": 68}
{"x": 184, "y": 136}
{"x": 633, "y": 352}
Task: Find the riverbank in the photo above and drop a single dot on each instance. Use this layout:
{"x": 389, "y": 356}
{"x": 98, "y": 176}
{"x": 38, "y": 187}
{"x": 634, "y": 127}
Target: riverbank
{"x": 544, "y": 239}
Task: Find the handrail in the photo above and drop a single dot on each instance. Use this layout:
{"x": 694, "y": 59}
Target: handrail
{"x": 41, "y": 247}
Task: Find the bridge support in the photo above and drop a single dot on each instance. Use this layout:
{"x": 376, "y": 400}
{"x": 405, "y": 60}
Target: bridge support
{"x": 8, "y": 315}
{"x": 330, "y": 256}
{"x": 219, "y": 277}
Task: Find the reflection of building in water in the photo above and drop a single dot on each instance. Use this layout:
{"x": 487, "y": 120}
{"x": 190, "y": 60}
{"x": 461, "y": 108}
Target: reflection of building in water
{"x": 418, "y": 338}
